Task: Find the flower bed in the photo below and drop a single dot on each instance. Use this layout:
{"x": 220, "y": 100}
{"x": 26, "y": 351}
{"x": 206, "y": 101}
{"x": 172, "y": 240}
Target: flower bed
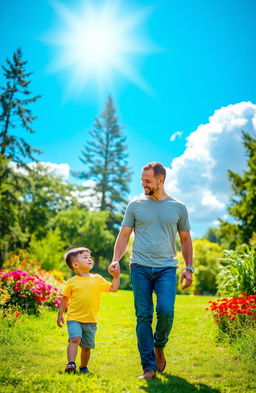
{"x": 235, "y": 314}
{"x": 28, "y": 292}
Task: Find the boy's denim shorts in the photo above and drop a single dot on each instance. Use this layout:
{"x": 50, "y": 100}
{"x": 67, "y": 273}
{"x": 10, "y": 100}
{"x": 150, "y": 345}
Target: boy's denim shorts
{"x": 86, "y": 331}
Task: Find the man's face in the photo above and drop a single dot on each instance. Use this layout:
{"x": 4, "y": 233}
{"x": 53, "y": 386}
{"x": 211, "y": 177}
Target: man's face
{"x": 84, "y": 260}
{"x": 149, "y": 182}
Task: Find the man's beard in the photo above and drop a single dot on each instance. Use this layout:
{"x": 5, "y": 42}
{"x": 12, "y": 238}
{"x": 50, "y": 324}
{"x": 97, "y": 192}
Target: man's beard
{"x": 151, "y": 191}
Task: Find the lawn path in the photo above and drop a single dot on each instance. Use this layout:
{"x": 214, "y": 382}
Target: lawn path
{"x": 33, "y": 355}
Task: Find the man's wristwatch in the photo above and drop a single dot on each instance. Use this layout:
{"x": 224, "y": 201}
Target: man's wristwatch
{"x": 191, "y": 268}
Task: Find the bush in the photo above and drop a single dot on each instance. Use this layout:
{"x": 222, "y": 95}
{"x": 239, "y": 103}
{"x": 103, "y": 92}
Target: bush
{"x": 27, "y": 292}
{"x": 49, "y": 250}
{"x": 238, "y": 273}
{"x": 206, "y": 261}
{"x": 22, "y": 261}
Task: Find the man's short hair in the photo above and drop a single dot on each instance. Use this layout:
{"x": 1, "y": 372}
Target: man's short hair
{"x": 159, "y": 169}
{"x": 71, "y": 255}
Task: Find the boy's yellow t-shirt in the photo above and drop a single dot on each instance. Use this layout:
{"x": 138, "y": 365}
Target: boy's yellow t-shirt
{"x": 84, "y": 293}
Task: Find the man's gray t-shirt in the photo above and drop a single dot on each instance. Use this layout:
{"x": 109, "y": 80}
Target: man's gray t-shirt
{"x": 155, "y": 226}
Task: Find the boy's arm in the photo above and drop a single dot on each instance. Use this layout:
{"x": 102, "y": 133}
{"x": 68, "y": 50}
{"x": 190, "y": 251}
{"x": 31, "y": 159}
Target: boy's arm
{"x": 115, "y": 284}
{"x": 63, "y": 305}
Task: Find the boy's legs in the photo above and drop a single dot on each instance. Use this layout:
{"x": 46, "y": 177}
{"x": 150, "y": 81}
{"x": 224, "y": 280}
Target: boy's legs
{"x": 72, "y": 348}
{"x": 87, "y": 343}
{"x": 85, "y": 356}
{"x": 75, "y": 336}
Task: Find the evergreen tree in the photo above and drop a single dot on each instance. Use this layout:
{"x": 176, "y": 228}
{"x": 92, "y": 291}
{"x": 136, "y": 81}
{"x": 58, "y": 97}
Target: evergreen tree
{"x": 14, "y": 113}
{"x": 105, "y": 159}
{"x": 14, "y": 101}
{"x": 243, "y": 202}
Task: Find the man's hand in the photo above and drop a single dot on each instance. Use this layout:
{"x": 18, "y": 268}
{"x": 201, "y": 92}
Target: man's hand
{"x": 60, "y": 320}
{"x": 114, "y": 269}
{"x": 187, "y": 276}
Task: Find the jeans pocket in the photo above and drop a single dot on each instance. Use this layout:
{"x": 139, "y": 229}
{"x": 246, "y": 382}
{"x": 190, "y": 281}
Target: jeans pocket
{"x": 134, "y": 265}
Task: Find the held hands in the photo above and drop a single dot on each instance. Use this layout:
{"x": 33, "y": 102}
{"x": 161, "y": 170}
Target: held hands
{"x": 60, "y": 321}
{"x": 187, "y": 276}
{"x": 114, "y": 269}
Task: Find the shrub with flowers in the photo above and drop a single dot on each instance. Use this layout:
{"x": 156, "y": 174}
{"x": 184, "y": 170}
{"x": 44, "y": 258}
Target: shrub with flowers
{"x": 22, "y": 261}
{"x": 27, "y": 291}
{"x": 235, "y": 314}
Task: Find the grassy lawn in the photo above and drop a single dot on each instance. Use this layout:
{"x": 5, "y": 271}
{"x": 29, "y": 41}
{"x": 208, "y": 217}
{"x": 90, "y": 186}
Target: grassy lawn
{"x": 33, "y": 354}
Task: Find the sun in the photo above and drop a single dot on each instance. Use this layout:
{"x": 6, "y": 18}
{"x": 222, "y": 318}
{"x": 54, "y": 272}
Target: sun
{"x": 98, "y": 43}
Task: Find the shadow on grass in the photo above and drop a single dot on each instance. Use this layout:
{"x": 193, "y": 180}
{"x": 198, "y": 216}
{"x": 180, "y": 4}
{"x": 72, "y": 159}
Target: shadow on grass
{"x": 173, "y": 384}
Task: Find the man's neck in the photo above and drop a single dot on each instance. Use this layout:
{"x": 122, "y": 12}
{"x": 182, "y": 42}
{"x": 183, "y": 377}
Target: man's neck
{"x": 159, "y": 195}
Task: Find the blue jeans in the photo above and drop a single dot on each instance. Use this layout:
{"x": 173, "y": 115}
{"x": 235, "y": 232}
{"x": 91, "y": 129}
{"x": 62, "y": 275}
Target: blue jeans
{"x": 162, "y": 281}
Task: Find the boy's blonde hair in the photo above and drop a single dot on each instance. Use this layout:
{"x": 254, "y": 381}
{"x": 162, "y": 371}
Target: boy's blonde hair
{"x": 71, "y": 255}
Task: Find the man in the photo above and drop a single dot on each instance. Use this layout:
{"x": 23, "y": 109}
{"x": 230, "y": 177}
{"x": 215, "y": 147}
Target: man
{"x": 155, "y": 217}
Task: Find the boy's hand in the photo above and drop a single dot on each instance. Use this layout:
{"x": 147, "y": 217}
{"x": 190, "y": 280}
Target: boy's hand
{"x": 60, "y": 320}
{"x": 114, "y": 269}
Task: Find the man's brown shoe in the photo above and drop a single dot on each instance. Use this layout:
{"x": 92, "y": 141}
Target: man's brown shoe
{"x": 160, "y": 359}
{"x": 148, "y": 374}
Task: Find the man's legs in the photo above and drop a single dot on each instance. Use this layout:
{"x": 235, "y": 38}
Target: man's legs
{"x": 142, "y": 284}
{"x": 165, "y": 289}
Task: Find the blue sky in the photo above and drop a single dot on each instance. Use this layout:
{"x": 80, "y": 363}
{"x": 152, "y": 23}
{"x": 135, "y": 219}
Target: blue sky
{"x": 203, "y": 83}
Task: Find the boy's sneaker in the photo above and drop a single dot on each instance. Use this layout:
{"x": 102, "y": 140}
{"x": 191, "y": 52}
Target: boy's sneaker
{"x": 70, "y": 367}
{"x": 84, "y": 370}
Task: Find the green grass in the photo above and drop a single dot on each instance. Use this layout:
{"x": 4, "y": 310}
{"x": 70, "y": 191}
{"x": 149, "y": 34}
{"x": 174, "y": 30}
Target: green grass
{"x": 33, "y": 354}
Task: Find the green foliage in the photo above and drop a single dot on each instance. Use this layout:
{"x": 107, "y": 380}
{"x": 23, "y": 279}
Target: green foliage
{"x": 105, "y": 158}
{"x": 14, "y": 150}
{"x": 95, "y": 235}
{"x": 213, "y": 235}
{"x": 206, "y": 261}
{"x": 70, "y": 221}
{"x": 242, "y": 206}
{"x": 12, "y": 210}
{"x": 46, "y": 196}
{"x": 49, "y": 251}
{"x": 238, "y": 271}
{"x": 88, "y": 229}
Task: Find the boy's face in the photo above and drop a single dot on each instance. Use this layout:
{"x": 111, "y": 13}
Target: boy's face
{"x": 83, "y": 261}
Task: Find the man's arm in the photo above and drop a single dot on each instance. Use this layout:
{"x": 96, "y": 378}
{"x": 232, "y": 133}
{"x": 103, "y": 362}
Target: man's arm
{"x": 121, "y": 244}
{"x": 187, "y": 253}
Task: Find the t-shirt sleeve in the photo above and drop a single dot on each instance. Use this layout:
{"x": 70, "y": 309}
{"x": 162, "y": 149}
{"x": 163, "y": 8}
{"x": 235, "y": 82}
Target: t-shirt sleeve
{"x": 104, "y": 285}
{"x": 129, "y": 218}
{"x": 67, "y": 290}
{"x": 183, "y": 222}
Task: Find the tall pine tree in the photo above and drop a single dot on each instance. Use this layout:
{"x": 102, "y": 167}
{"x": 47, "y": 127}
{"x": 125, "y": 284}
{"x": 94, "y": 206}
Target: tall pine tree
{"x": 243, "y": 203}
{"x": 15, "y": 99}
{"x": 15, "y": 112}
{"x": 105, "y": 159}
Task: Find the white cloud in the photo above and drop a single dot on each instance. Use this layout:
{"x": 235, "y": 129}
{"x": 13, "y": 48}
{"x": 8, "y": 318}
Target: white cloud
{"x": 58, "y": 170}
{"x": 175, "y": 135}
{"x": 199, "y": 176}
{"x": 88, "y": 196}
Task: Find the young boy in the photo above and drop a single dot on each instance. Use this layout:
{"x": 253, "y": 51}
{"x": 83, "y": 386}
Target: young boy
{"x": 82, "y": 296}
